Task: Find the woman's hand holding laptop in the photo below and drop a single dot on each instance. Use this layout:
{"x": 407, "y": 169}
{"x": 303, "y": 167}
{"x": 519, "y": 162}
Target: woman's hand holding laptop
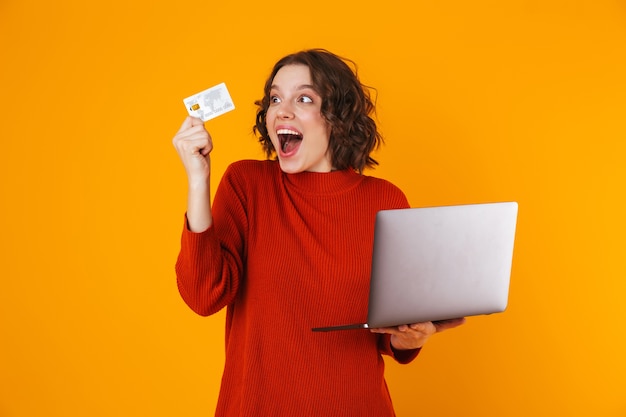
{"x": 414, "y": 336}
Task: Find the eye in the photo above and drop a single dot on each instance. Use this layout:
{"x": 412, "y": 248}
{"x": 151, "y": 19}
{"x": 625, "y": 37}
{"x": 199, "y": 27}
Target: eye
{"x": 274, "y": 99}
{"x": 305, "y": 99}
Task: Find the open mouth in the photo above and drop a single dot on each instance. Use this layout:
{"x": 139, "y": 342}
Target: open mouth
{"x": 289, "y": 139}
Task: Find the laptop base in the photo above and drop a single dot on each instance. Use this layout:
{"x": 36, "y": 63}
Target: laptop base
{"x": 344, "y": 327}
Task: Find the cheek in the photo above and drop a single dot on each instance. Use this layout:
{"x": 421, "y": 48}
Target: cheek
{"x": 269, "y": 122}
{"x": 269, "y": 119}
{"x": 324, "y": 126}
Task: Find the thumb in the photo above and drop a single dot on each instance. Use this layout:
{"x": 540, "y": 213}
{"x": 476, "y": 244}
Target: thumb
{"x": 195, "y": 121}
{"x": 186, "y": 124}
{"x": 190, "y": 122}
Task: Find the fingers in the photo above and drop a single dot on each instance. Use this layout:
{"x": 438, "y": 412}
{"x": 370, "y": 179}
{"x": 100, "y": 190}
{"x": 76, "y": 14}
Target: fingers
{"x": 190, "y": 129}
{"x": 406, "y": 337}
{"x": 421, "y": 327}
{"x": 442, "y": 325}
{"x": 426, "y": 327}
{"x": 412, "y": 336}
{"x": 193, "y": 136}
{"x": 193, "y": 144}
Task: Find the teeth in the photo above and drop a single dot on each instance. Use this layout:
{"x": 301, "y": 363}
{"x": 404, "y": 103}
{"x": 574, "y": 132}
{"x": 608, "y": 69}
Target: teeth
{"x": 287, "y": 132}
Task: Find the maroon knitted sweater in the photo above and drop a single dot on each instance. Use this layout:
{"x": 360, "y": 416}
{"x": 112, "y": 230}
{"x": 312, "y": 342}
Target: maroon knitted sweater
{"x": 287, "y": 253}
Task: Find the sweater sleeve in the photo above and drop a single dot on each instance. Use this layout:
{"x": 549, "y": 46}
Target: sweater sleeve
{"x": 209, "y": 267}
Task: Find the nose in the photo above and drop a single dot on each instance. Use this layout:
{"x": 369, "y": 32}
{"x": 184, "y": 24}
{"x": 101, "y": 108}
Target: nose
{"x": 285, "y": 111}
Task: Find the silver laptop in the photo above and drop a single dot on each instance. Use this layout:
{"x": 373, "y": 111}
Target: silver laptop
{"x": 439, "y": 263}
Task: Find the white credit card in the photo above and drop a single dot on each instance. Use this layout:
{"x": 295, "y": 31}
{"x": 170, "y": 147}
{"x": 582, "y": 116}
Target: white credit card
{"x": 209, "y": 103}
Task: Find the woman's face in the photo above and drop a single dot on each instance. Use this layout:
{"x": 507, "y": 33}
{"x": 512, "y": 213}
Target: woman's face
{"x": 295, "y": 124}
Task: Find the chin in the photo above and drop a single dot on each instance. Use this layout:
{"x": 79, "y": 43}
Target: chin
{"x": 289, "y": 168}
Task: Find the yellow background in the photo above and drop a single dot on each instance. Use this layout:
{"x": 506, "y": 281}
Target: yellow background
{"x": 479, "y": 101}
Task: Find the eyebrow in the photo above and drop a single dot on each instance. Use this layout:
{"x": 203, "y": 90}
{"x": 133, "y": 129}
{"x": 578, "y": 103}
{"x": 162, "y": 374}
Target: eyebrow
{"x": 298, "y": 88}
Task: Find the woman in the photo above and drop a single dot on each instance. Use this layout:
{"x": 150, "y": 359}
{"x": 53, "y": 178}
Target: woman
{"x": 286, "y": 246}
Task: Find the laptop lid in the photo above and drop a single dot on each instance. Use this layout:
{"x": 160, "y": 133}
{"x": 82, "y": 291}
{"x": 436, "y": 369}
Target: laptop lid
{"x": 438, "y": 263}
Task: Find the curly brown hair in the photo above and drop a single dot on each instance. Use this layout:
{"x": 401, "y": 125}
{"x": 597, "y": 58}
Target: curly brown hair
{"x": 346, "y": 106}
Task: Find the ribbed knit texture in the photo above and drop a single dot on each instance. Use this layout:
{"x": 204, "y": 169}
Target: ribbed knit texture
{"x": 287, "y": 253}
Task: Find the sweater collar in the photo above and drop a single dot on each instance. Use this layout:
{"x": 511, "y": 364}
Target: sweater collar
{"x": 322, "y": 183}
